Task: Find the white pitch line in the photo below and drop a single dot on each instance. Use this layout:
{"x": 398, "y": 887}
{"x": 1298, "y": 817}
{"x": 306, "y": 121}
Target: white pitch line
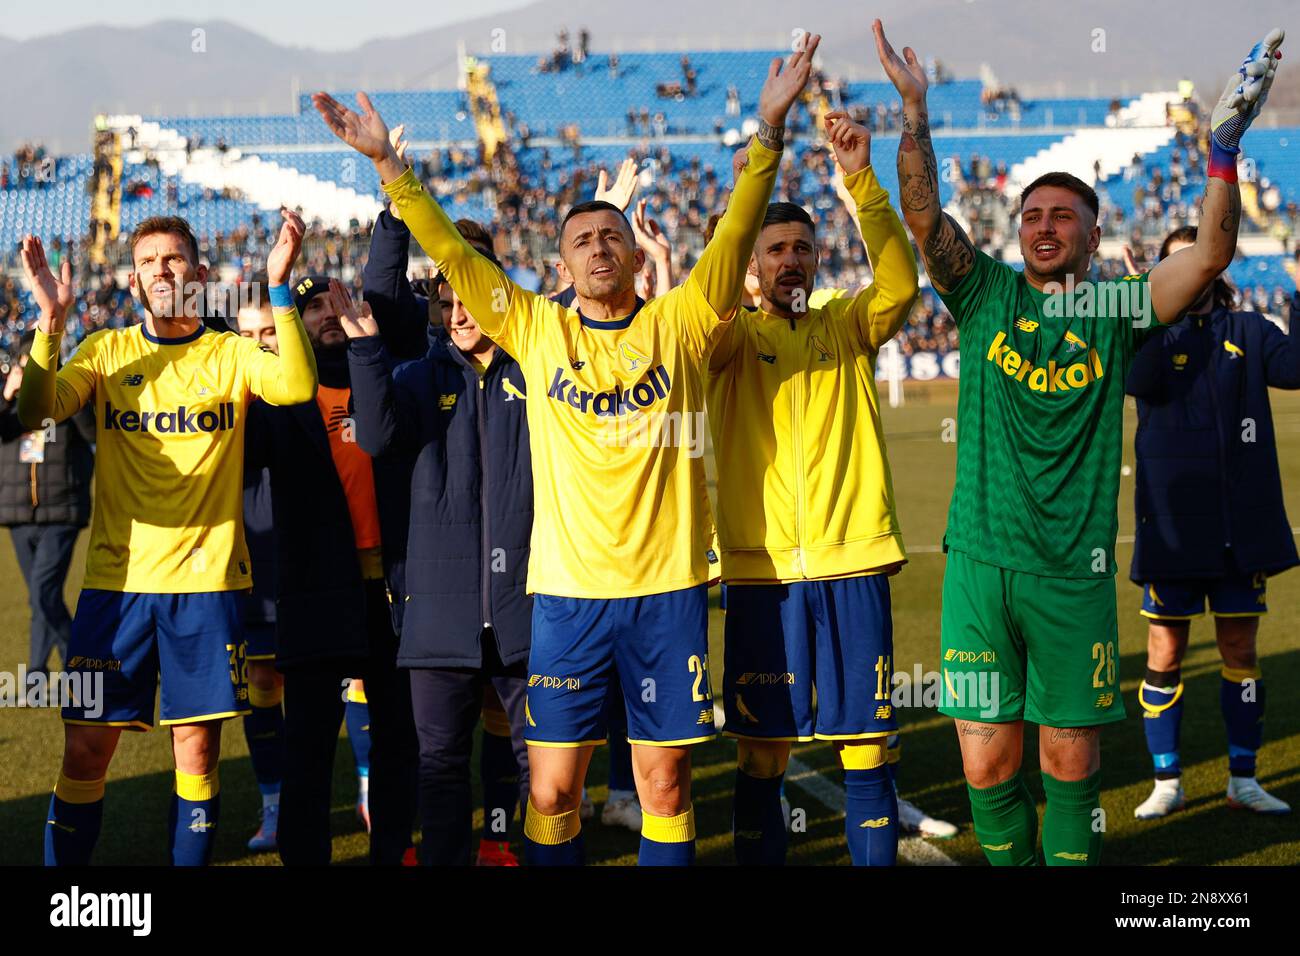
{"x": 912, "y": 850}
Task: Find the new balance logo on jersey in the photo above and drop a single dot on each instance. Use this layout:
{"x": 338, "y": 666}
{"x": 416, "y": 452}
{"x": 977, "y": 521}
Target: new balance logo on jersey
{"x": 133, "y": 379}
{"x": 769, "y": 359}
{"x": 1053, "y": 377}
{"x": 180, "y": 421}
{"x": 653, "y": 387}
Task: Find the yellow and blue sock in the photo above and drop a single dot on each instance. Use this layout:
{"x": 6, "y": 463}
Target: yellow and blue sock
{"x": 554, "y": 840}
{"x": 1241, "y": 697}
{"x": 357, "y": 717}
{"x": 870, "y": 804}
{"x": 1006, "y": 822}
{"x": 667, "y": 841}
{"x": 72, "y": 826}
{"x": 1071, "y": 824}
{"x": 499, "y": 773}
{"x": 620, "y": 762}
{"x": 757, "y": 823}
{"x": 192, "y": 820}
{"x": 264, "y": 731}
{"x": 1161, "y": 697}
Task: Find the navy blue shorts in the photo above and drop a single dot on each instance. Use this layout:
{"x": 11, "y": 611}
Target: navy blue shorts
{"x": 787, "y": 642}
{"x": 1237, "y": 595}
{"x": 656, "y": 647}
{"x": 194, "y": 643}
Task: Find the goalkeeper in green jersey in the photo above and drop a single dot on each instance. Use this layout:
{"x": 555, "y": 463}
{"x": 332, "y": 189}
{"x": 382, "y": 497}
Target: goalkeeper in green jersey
{"x": 1029, "y": 628}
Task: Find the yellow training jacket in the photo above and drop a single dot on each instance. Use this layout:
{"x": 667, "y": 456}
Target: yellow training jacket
{"x": 615, "y": 407}
{"x": 804, "y": 490}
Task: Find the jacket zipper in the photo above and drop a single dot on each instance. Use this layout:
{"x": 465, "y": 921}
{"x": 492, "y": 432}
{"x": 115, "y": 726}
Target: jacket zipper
{"x": 796, "y": 430}
{"x": 485, "y": 574}
{"x": 1218, "y": 433}
{"x": 35, "y": 497}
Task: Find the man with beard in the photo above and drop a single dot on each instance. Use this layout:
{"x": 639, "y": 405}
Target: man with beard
{"x": 333, "y": 619}
{"x": 621, "y": 548}
{"x": 1029, "y": 625}
{"x": 167, "y": 556}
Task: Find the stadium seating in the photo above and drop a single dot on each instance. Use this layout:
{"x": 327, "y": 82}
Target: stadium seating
{"x": 60, "y": 208}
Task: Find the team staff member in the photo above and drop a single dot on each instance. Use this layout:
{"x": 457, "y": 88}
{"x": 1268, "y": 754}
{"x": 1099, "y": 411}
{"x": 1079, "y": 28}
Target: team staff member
{"x": 460, "y": 413}
{"x": 333, "y": 621}
{"x": 806, "y": 517}
{"x": 264, "y": 725}
{"x": 167, "y": 556}
{"x": 1210, "y": 521}
{"x": 45, "y": 502}
{"x": 620, "y": 555}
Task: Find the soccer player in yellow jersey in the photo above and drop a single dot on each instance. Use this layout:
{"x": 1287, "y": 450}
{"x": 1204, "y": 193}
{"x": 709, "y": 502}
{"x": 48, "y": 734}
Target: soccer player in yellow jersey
{"x": 167, "y": 556}
{"x": 620, "y": 555}
{"x": 806, "y": 517}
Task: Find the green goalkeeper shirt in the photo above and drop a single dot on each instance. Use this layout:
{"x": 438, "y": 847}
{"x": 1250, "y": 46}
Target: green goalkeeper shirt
{"x": 1040, "y": 418}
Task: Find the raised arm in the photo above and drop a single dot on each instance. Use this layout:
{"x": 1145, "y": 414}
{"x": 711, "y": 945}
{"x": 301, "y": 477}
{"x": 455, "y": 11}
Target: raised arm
{"x": 290, "y": 377}
{"x": 499, "y": 306}
{"x": 384, "y": 424}
{"x": 49, "y": 392}
{"x": 720, "y": 271}
{"x": 880, "y": 309}
{"x": 654, "y": 242}
{"x": 946, "y": 250}
{"x": 1178, "y": 280}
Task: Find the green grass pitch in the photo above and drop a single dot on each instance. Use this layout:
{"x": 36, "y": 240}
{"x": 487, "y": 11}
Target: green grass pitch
{"x": 1207, "y": 832}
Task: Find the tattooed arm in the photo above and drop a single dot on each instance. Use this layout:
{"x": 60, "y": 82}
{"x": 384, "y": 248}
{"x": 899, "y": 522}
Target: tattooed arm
{"x": 946, "y": 250}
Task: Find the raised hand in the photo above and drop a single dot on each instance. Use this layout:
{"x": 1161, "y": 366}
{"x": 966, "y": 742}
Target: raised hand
{"x": 738, "y": 162}
{"x": 54, "y": 296}
{"x": 279, "y": 264}
{"x": 356, "y": 322}
{"x": 620, "y": 194}
{"x": 907, "y": 74}
{"x": 851, "y": 142}
{"x": 651, "y": 239}
{"x": 400, "y": 145}
{"x": 365, "y": 131}
{"x": 1246, "y": 91}
{"x": 783, "y": 86}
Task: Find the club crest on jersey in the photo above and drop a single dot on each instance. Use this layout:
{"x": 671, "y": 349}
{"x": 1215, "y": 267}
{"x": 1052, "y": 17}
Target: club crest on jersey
{"x": 823, "y": 353}
{"x": 654, "y": 386}
{"x": 1180, "y": 361}
{"x": 632, "y": 357}
{"x": 1233, "y": 350}
{"x": 1026, "y": 325}
{"x": 1075, "y": 343}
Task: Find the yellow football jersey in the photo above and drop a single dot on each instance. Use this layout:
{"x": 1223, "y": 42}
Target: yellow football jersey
{"x": 169, "y": 452}
{"x": 804, "y": 489}
{"x": 615, "y": 408}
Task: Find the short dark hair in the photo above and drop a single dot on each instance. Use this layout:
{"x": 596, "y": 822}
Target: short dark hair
{"x": 1065, "y": 181}
{"x": 782, "y": 212}
{"x": 173, "y": 224}
{"x": 591, "y": 205}
{"x": 1225, "y": 296}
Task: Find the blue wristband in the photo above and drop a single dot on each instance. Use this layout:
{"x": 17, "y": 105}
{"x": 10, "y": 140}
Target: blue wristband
{"x": 280, "y": 296}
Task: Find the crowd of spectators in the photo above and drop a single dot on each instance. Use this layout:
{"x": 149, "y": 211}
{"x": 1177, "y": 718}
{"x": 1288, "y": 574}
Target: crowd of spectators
{"x": 30, "y": 167}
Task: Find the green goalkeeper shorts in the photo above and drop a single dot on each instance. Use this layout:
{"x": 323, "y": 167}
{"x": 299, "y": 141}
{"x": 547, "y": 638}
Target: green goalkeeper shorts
{"x": 1019, "y": 646}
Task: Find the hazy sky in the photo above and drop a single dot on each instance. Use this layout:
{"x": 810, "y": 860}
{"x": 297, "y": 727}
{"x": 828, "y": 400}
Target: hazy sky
{"x": 323, "y": 24}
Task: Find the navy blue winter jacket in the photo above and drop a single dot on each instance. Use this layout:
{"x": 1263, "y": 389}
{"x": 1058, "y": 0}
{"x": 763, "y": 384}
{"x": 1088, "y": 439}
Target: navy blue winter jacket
{"x": 1209, "y": 493}
{"x": 471, "y": 495}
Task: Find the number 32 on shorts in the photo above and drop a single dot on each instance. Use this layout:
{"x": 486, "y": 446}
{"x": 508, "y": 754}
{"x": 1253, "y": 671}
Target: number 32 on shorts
{"x": 1104, "y": 655}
